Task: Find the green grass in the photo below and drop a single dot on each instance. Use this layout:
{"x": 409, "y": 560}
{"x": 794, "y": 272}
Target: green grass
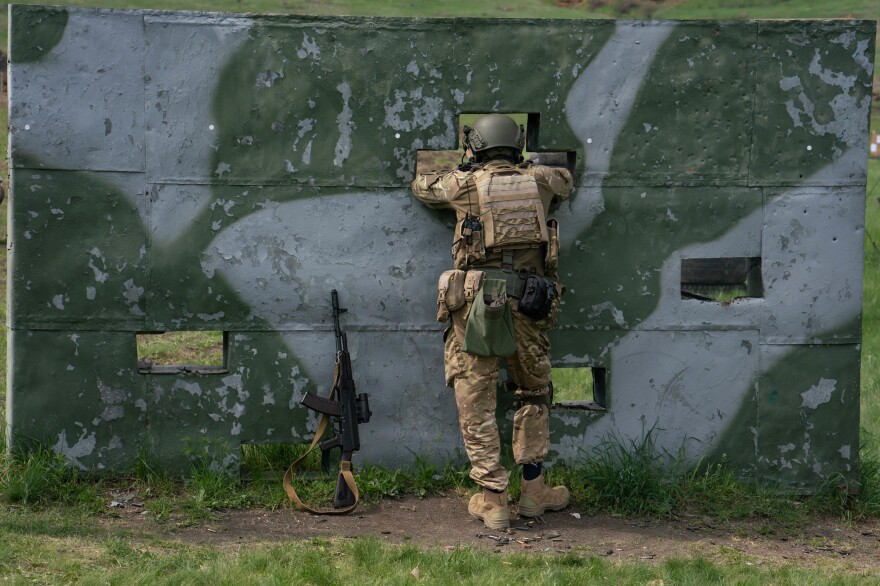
{"x": 122, "y": 560}
{"x": 201, "y": 348}
{"x": 736, "y": 9}
{"x": 572, "y": 384}
{"x": 870, "y": 387}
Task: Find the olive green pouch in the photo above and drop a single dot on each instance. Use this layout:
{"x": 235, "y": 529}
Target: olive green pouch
{"x": 489, "y": 330}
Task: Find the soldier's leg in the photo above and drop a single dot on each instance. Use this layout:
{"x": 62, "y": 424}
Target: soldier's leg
{"x": 530, "y": 367}
{"x": 475, "y": 380}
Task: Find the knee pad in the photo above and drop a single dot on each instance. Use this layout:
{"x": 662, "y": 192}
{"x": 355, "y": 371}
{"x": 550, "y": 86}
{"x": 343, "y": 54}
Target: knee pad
{"x": 541, "y": 396}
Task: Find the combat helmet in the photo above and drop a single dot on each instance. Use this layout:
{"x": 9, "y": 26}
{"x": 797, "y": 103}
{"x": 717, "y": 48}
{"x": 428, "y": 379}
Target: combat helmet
{"x": 494, "y": 131}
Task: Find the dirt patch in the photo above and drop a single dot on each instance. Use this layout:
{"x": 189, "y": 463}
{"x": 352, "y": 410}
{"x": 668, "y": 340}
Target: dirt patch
{"x": 443, "y": 522}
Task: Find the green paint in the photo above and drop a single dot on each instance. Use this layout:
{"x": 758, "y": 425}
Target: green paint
{"x": 693, "y": 116}
{"x": 810, "y": 434}
{"x": 35, "y": 32}
{"x": 806, "y": 87}
{"x": 496, "y": 74}
{"x": 96, "y": 413}
{"x": 313, "y": 108}
{"x": 84, "y": 237}
{"x": 613, "y": 273}
{"x": 778, "y": 417}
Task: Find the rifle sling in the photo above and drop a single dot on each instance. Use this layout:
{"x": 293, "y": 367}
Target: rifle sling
{"x": 344, "y": 467}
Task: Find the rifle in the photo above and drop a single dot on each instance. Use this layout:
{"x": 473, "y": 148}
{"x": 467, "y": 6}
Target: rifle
{"x": 347, "y": 409}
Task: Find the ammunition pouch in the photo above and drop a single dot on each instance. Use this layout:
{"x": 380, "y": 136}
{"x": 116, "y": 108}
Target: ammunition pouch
{"x": 473, "y": 282}
{"x": 450, "y": 293}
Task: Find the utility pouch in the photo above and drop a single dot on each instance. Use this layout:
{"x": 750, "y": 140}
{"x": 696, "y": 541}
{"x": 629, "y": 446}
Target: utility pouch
{"x": 468, "y": 247}
{"x": 551, "y": 259}
{"x": 537, "y": 298}
{"x": 473, "y": 282}
{"x": 450, "y": 293}
{"x": 489, "y": 330}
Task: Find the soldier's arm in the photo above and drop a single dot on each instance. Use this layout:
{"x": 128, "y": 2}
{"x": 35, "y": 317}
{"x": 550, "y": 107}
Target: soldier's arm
{"x": 556, "y": 180}
{"x": 437, "y": 189}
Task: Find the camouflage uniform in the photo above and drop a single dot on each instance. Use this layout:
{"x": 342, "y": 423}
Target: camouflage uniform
{"x": 475, "y": 378}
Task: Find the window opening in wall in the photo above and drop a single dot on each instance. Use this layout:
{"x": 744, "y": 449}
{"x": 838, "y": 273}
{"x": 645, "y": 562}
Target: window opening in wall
{"x": 581, "y": 388}
{"x": 195, "y": 352}
{"x": 721, "y": 279}
{"x": 428, "y": 160}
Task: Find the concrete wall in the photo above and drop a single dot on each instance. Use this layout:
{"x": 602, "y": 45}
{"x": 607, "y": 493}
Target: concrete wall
{"x": 225, "y": 172}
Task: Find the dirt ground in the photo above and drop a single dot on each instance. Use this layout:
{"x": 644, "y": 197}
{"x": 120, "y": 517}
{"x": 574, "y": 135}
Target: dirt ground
{"x": 443, "y": 522}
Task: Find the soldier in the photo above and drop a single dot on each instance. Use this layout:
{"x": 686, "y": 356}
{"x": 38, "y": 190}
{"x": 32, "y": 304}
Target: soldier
{"x": 501, "y": 299}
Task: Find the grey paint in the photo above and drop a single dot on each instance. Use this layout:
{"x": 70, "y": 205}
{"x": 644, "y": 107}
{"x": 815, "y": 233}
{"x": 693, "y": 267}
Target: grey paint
{"x": 99, "y": 65}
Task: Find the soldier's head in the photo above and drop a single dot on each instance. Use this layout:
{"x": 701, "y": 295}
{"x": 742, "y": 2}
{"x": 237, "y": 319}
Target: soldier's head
{"x": 495, "y": 136}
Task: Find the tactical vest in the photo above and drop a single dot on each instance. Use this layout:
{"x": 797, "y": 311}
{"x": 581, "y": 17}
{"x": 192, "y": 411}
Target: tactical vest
{"x": 511, "y": 209}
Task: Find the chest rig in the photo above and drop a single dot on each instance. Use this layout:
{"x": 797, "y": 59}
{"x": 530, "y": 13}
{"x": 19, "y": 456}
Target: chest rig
{"x": 511, "y": 209}
{"x": 509, "y": 216}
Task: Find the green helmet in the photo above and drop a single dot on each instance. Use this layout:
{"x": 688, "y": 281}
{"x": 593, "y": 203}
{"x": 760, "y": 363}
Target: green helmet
{"x": 494, "y": 131}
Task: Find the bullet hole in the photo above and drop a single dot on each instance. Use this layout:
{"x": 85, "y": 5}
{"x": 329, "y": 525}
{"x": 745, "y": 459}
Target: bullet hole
{"x": 27, "y": 126}
{"x": 210, "y": 127}
{"x": 396, "y": 135}
{"x": 589, "y": 141}
{"x": 809, "y": 147}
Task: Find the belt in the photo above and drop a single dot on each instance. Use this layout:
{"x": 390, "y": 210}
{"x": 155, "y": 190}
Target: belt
{"x": 515, "y": 280}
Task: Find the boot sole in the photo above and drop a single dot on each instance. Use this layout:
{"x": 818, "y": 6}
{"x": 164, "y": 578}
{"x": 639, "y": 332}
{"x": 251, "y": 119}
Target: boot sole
{"x": 538, "y": 510}
{"x": 492, "y": 524}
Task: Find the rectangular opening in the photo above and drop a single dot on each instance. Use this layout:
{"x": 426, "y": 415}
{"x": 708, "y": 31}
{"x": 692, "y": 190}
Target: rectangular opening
{"x": 193, "y": 352}
{"x": 581, "y": 388}
{"x": 428, "y": 160}
{"x": 721, "y": 279}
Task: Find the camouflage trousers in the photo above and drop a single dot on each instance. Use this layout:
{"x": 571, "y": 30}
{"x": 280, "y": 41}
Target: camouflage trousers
{"x": 475, "y": 380}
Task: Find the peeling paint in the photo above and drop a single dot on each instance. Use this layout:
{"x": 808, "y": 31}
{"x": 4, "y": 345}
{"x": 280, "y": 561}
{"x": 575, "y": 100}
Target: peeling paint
{"x": 345, "y": 124}
{"x": 819, "y": 393}
{"x": 84, "y": 446}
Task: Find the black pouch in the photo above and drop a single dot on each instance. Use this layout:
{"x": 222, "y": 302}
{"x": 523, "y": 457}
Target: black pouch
{"x": 537, "y": 297}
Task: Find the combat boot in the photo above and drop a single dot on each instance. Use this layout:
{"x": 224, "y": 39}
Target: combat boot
{"x": 536, "y": 497}
{"x": 491, "y": 508}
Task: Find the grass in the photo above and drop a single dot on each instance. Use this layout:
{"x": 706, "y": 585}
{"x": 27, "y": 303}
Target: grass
{"x": 202, "y": 348}
{"x": 572, "y": 384}
{"x": 870, "y": 387}
{"x": 362, "y": 561}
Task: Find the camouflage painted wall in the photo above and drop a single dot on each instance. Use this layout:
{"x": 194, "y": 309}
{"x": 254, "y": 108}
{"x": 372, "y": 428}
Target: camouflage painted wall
{"x": 224, "y": 172}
